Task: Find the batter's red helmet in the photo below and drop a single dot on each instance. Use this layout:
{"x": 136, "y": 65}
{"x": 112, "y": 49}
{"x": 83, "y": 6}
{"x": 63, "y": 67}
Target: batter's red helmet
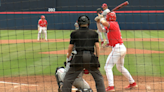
{"x": 104, "y": 5}
{"x": 42, "y": 17}
{"x": 111, "y": 16}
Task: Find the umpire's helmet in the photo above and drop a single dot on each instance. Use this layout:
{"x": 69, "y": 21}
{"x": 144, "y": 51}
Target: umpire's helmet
{"x": 83, "y": 20}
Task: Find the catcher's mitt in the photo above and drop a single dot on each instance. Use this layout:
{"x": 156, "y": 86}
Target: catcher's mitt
{"x": 99, "y": 10}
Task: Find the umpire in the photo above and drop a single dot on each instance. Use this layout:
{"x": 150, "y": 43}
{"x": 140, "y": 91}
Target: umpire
{"x": 85, "y": 40}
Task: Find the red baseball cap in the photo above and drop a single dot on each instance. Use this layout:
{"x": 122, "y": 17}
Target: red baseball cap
{"x": 104, "y": 5}
{"x": 42, "y": 17}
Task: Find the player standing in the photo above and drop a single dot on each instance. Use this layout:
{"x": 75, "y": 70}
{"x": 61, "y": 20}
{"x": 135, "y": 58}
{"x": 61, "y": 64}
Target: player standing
{"x": 118, "y": 52}
{"x": 42, "y": 26}
{"x": 79, "y": 83}
{"x": 104, "y": 13}
{"x": 76, "y": 25}
{"x": 99, "y": 28}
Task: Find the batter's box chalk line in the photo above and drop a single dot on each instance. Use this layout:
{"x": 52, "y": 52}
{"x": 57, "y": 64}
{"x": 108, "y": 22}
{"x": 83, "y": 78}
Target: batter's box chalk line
{"x": 18, "y": 84}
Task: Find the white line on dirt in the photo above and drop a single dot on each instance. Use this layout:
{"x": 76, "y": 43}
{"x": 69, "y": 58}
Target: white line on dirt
{"x": 18, "y": 83}
{"x": 148, "y": 87}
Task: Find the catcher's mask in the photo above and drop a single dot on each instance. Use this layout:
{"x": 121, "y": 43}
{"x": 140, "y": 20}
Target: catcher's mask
{"x": 83, "y": 20}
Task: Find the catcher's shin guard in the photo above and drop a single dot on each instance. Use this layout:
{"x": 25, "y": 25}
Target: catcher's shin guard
{"x": 60, "y": 83}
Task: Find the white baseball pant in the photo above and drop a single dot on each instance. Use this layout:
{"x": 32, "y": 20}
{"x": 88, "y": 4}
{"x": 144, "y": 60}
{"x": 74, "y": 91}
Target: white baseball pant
{"x": 117, "y": 56}
{"x": 79, "y": 81}
{"x": 44, "y": 29}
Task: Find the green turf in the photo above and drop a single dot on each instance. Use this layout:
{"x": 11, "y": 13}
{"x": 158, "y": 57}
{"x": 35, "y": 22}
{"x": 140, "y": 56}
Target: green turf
{"x": 65, "y": 34}
{"x": 24, "y": 58}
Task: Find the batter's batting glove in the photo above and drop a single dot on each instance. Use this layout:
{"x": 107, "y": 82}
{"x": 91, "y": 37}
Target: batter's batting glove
{"x": 97, "y": 18}
{"x": 99, "y": 10}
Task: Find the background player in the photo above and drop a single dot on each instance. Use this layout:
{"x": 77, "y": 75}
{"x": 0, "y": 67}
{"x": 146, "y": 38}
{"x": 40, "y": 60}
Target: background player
{"x": 42, "y": 26}
{"x": 118, "y": 51}
{"x": 104, "y": 13}
{"x": 99, "y": 30}
{"x": 76, "y": 25}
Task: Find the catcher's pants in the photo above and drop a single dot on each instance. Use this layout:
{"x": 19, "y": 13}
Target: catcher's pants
{"x": 79, "y": 82}
{"x": 44, "y": 29}
{"x": 117, "y": 57}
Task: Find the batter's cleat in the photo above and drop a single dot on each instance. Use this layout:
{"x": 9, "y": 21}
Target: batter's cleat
{"x": 130, "y": 86}
{"x": 110, "y": 88}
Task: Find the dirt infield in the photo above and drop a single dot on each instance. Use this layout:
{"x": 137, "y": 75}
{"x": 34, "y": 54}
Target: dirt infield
{"x": 67, "y": 40}
{"x": 48, "y": 84}
{"x": 106, "y": 51}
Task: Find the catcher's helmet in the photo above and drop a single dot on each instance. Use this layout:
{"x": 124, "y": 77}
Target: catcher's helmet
{"x": 111, "y": 16}
{"x": 83, "y": 19}
{"x": 42, "y": 17}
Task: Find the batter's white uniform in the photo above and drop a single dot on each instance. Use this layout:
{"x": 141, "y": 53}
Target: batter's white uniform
{"x": 42, "y": 25}
{"x": 117, "y": 54}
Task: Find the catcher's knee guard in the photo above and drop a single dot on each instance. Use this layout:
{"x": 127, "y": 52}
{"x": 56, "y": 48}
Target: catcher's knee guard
{"x": 84, "y": 90}
{"x": 59, "y": 81}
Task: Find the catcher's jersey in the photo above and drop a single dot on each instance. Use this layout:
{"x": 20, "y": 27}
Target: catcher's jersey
{"x": 104, "y": 13}
{"x": 114, "y": 34}
{"x": 42, "y": 23}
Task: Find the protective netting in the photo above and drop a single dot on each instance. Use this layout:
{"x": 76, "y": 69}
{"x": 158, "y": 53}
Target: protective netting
{"x": 28, "y": 64}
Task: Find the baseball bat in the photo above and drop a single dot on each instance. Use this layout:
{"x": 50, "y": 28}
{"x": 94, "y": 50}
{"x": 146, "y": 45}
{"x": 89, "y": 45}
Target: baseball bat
{"x": 120, "y": 6}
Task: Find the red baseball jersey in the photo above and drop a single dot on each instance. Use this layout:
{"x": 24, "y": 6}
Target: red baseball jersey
{"x": 42, "y": 23}
{"x": 114, "y": 34}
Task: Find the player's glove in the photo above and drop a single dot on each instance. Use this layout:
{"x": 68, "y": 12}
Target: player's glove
{"x": 99, "y": 10}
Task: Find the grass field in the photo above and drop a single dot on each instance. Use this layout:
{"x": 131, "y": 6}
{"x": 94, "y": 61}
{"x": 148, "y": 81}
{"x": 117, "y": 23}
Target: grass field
{"x": 24, "y": 58}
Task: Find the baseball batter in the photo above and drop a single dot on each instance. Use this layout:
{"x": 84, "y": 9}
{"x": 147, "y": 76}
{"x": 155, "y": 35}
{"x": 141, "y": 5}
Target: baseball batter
{"x": 42, "y": 26}
{"x": 118, "y": 52}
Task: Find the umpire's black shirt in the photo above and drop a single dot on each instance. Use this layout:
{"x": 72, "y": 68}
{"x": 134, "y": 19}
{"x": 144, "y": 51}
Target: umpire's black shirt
{"x": 84, "y": 39}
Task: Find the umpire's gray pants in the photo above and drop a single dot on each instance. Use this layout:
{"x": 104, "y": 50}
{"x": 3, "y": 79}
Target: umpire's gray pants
{"x": 73, "y": 72}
